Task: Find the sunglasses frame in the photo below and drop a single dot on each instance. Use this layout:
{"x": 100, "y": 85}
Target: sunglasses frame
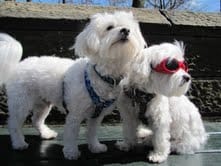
{"x": 161, "y": 67}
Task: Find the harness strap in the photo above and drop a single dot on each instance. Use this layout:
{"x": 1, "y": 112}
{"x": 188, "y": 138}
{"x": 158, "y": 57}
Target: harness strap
{"x": 99, "y": 103}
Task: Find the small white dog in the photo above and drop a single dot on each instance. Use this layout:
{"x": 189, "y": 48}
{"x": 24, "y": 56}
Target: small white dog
{"x": 162, "y": 75}
{"x": 86, "y": 88}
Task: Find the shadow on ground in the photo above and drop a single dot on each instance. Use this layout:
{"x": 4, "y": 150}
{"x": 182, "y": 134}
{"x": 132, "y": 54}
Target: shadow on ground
{"x": 44, "y": 152}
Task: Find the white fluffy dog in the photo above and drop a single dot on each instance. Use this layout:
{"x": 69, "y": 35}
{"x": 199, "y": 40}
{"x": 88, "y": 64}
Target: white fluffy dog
{"x": 86, "y": 88}
{"x": 161, "y": 74}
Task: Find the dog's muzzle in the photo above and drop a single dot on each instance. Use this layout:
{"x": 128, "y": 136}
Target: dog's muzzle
{"x": 124, "y": 32}
{"x": 185, "y": 79}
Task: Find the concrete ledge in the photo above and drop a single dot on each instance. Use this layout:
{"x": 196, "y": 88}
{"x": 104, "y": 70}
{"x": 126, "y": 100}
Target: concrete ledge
{"x": 193, "y": 19}
{"x": 71, "y": 12}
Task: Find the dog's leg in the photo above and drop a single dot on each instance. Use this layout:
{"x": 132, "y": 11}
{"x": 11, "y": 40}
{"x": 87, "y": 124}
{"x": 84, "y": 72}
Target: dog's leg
{"x": 188, "y": 132}
{"x": 144, "y": 135}
{"x": 193, "y": 135}
{"x": 18, "y": 111}
{"x": 130, "y": 123}
{"x": 160, "y": 118}
{"x": 186, "y": 145}
{"x": 71, "y": 132}
{"x": 93, "y": 143}
{"x": 40, "y": 113}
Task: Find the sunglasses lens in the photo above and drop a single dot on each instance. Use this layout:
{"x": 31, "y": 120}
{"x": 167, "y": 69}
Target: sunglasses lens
{"x": 172, "y": 64}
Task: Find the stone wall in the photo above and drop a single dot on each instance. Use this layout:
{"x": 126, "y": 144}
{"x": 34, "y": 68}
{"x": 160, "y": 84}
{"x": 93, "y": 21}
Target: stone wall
{"x": 50, "y": 30}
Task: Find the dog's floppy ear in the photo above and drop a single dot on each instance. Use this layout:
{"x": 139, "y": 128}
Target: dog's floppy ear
{"x": 87, "y": 42}
{"x": 142, "y": 66}
{"x": 140, "y": 69}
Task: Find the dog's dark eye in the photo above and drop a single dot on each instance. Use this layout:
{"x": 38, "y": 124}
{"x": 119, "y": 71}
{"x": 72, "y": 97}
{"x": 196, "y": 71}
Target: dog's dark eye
{"x": 172, "y": 64}
{"x": 145, "y": 46}
{"x": 110, "y": 27}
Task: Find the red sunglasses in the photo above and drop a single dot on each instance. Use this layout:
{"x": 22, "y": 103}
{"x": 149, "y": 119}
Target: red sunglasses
{"x": 170, "y": 66}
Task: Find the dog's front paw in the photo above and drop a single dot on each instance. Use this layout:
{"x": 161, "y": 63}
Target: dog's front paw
{"x": 144, "y": 135}
{"x": 98, "y": 148}
{"x": 71, "y": 154}
{"x": 19, "y": 146}
{"x": 48, "y": 134}
{"x": 157, "y": 157}
{"x": 123, "y": 146}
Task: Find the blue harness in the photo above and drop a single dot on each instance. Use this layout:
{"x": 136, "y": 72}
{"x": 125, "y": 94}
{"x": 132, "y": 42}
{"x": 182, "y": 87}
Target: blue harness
{"x": 99, "y": 103}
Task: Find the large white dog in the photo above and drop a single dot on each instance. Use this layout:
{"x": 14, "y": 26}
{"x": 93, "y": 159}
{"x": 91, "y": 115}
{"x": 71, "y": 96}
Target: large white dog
{"x": 86, "y": 88}
{"x": 161, "y": 74}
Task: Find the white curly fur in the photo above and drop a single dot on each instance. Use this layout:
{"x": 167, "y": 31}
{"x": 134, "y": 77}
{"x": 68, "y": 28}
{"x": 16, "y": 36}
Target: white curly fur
{"x": 10, "y": 55}
{"x": 175, "y": 121}
{"x": 36, "y": 83}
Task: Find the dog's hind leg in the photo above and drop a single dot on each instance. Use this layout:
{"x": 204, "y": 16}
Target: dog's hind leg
{"x": 40, "y": 113}
{"x": 93, "y": 143}
{"x": 19, "y": 109}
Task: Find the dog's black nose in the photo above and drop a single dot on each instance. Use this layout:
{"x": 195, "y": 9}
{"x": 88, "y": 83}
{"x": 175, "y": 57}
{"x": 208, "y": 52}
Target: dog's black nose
{"x": 124, "y": 32}
{"x": 186, "y": 78}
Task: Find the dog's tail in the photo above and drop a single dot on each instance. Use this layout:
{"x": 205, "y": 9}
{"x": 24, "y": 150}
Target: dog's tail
{"x": 10, "y": 54}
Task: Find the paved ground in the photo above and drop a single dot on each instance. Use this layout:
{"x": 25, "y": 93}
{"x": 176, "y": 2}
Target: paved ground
{"x": 49, "y": 152}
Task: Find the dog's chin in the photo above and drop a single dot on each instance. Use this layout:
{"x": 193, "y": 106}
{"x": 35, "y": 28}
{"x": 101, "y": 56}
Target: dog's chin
{"x": 180, "y": 90}
{"x": 123, "y": 47}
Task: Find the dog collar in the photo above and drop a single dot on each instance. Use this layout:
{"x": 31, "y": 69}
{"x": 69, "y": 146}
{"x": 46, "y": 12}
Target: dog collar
{"x": 99, "y": 103}
{"x": 112, "y": 81}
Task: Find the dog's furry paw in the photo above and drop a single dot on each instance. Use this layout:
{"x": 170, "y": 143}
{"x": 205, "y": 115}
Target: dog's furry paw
{"x": 123, "y": 146}
{"x": 144, "y": 135}
{"x": 184, "y": 148}
{"x": 20, "y": 146}
{"x": 71, "y": 154}
{"x": 156, "y": 157}
{"x": 98, "y": 148}
{"x": 48, "y": 134}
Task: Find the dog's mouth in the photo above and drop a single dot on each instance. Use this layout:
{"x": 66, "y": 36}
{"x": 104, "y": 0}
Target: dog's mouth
{"x": 122, "y": 39}
{"x": 182, "y": 83}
